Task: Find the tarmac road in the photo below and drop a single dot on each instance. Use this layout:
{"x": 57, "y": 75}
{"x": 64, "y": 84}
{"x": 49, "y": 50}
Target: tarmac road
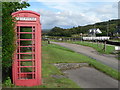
{"x": 87, "y": 77}
{"x": 92, "y": 53}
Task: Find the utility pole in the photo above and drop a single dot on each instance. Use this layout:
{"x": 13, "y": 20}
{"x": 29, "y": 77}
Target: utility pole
{"x": 107, "y": 28}
{"x": 94, "y": 26}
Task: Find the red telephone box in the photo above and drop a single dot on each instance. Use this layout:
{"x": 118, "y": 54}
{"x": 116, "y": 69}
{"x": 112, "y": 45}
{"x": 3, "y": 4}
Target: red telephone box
{"x": 26, "y": 67}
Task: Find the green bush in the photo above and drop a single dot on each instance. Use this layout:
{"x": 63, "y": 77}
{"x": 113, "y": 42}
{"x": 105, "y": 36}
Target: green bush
{"x": 8, "y": 34}
{"x": 8, "y": 46}
{"x": 8, "y": 82}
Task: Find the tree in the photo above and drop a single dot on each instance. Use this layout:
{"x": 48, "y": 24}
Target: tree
{"x": 57, "y": 31}
{"x": 8, "y": 34}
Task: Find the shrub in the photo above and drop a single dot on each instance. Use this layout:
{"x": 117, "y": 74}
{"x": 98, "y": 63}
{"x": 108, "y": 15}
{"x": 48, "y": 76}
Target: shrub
{"x": 8, "y": 45}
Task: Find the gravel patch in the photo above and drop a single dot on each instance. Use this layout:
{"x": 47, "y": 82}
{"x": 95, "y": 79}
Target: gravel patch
{"x": 59, "y": 76}
{"x": 68, "y": 66}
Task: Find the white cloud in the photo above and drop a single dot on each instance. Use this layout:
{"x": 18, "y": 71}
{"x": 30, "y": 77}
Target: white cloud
{"x": 65, "y": 19}
{"x": 68, "y": 13}
{"x": 105, "y": 12}
{"x": 74, "y": 0}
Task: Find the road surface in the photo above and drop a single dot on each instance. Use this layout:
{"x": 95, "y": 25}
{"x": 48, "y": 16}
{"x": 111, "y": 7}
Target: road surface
{"x": 87, "y": 77}
{"x": 92, "y": 53}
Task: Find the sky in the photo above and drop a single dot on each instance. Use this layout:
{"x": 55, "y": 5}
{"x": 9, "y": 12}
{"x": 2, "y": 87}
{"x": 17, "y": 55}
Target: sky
{"x": 73, "y": 13}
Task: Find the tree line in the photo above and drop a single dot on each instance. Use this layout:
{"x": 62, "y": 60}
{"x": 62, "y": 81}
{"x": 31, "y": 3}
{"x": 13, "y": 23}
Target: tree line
{"x": 108, "y": 28}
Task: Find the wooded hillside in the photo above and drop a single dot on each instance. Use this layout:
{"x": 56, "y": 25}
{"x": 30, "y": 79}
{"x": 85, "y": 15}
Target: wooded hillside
{"x": 108, "y": 28}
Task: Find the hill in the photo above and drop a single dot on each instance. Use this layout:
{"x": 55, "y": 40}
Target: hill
{"x": 108, "y": 28}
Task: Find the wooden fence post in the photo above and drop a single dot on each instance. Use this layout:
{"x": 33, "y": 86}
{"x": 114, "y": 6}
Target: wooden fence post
{"x": 104, "y": 48}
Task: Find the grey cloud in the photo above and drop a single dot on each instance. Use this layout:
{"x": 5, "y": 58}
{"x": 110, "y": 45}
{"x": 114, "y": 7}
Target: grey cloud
{"x": 50, "y": 19}
{"x": 67, "y": 18}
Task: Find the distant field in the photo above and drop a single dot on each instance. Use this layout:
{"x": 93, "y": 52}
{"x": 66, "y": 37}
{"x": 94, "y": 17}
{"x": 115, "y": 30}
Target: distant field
{"x": 115, "y": 40}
